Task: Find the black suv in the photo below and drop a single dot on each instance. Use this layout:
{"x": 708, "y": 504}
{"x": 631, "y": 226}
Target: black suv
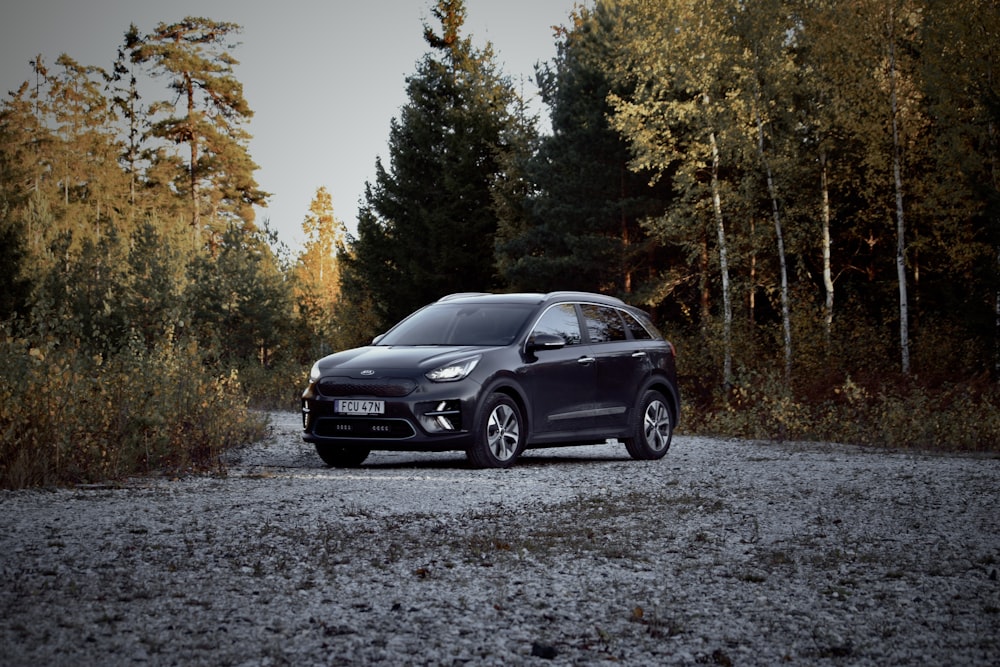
{"x": 491, "y": 374}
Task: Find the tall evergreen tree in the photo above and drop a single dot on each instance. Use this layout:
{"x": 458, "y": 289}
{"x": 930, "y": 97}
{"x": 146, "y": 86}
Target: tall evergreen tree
{"x": 218, "y": 176}
{"x": 429, "y": 221}
{"x": 585, "y": 205}
{"x": 125, "y": 99}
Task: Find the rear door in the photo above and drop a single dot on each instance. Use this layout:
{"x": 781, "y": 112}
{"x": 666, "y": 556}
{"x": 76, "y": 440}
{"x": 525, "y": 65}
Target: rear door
{"x": 622, "y": 363}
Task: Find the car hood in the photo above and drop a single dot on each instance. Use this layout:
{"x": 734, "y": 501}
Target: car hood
{"x": 376, "y": 361}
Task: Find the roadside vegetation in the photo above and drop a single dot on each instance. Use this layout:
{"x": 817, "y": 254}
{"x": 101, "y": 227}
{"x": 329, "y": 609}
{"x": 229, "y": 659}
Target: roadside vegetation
{"x": 807, "y": 203}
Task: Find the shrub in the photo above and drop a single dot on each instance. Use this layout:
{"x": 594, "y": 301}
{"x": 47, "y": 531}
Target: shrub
{"x": 68, "y": 416}
{"x": 952, "y": 417}
{"x": 278, "y": 387}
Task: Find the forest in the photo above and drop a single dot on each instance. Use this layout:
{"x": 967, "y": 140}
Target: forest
{"x": 805, "y": 194}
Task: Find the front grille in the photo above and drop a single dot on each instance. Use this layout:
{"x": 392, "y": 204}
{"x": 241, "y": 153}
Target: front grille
{"x": 385, "y": 387}
{"x": 360, "y": 428}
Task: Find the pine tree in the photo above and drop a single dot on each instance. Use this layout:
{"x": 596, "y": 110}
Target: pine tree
{"x": 584, "y": 205}
{"x": 217, "y": 178}
{"x": 429, "y": 221}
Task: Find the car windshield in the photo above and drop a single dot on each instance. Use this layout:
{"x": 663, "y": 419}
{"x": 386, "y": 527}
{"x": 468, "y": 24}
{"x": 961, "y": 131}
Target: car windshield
{"x": 488, "y": 324}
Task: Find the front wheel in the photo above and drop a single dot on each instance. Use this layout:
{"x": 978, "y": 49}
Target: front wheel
{"x": 500, "y": 434}
{"x": 652, "y": 428}
{"x": 340, "y": 456}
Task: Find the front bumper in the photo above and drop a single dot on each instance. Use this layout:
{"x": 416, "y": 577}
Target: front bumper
{"x": 438, "y": 418}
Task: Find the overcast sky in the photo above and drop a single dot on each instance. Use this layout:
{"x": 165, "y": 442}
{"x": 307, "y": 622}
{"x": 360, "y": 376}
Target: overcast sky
{"x": 324, "y": 78}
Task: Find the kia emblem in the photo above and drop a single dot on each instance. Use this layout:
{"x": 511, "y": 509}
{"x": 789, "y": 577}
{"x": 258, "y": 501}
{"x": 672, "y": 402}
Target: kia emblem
{"x": 368, "y": 372}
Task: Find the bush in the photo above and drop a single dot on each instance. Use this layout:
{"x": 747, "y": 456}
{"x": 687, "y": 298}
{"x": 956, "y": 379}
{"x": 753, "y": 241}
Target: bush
{"x": 951, "y": 417}
{"x": 855, "y": 396}
{"x": 70, "y": 417}
{"x": 278, "y": 387}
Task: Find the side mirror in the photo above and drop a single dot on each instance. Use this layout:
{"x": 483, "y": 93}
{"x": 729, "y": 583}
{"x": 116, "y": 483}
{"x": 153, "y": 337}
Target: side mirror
{"x": 377, "y": 338}
{"x": 545, "y": 341}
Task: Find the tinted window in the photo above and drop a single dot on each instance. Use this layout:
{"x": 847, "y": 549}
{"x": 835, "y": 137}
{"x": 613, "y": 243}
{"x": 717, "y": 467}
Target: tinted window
{"x": 638, "y": 331}
{"x": 603, "y": 324}
{"x": 460, "y": 324}
{"x": 560, "y": 320}
{"x": 641, "y": 327}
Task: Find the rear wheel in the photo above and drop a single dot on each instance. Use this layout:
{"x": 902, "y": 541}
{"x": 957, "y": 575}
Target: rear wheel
{"x": 342, "y": 456}
{"x": 652, "y": 428}
{"x": 500, "y": 435}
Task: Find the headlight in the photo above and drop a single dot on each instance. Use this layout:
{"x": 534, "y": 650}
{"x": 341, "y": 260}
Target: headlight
{"x": 314, "y": 373}
{"x": 457, "y": 370}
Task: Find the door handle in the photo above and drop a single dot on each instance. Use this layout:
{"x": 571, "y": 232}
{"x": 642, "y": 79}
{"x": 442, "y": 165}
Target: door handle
{"x": 638, "y": 355}
{"x": 585, "y": 360}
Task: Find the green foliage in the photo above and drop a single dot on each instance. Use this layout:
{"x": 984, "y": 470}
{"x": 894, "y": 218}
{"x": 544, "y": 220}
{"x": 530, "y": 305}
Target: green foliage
{"x": 579, "y": 223}
{"x": 239, "y": 301}
{"x": 113, "y": 372}
{"x": 845, "y": 390}
{"x": 14, "y": 287}
{"x": 429, "y": 222}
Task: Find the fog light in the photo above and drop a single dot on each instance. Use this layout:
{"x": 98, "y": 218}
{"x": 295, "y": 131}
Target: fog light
{"x": 445, "y": 417}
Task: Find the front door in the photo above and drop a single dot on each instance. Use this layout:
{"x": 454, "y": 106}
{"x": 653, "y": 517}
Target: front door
{"x": 561, "y": 382}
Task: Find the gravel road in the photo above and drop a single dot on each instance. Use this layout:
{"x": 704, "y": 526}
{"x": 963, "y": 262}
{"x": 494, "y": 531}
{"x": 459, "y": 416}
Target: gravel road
{"x": 723, "y": 553}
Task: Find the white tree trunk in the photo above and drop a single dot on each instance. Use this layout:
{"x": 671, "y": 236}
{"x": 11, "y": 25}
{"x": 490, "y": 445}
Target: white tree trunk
{"x": 786, "y": 320}
{"x": 727, "y": 306}
{"x": 897, "y": 171}
{"x": 827, "y": 270}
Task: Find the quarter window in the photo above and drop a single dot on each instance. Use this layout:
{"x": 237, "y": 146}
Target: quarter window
{"x": 635, "y": 327}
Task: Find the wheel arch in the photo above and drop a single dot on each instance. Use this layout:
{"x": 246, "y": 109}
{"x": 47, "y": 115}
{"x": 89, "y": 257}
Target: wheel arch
{"x": 508, "y": 386}
{"x": 669, "y": 391}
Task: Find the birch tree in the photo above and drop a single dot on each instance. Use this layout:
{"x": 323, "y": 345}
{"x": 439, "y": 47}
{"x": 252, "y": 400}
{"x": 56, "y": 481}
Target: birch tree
{"x": 763, "y": 33}
{"x": 677, "y": 55}
{"x": 892, "y": 23}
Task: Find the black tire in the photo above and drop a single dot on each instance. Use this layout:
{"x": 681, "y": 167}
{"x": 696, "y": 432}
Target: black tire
{"x": 342, "y": 456}
{"x": 652, "y": 428}
{"x": 500, "y": 433}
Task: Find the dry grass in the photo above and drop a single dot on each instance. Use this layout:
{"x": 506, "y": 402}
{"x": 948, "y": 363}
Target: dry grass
{"x": 68, "y": 417}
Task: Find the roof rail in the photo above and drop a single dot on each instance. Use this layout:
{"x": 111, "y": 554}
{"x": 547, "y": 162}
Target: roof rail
{"x": 572, "y": 294}
{"x": 459, "y": 295}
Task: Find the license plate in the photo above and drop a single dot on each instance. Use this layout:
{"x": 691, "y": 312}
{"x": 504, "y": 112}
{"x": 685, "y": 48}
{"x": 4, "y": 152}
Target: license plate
{"x": 359, "y": 407}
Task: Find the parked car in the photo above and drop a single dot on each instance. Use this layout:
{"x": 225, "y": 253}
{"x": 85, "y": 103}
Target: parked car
{"x": 493, "y": 374}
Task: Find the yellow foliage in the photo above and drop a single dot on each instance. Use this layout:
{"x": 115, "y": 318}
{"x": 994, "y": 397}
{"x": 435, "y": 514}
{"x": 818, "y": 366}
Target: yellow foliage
{"x": 81, "y": 418}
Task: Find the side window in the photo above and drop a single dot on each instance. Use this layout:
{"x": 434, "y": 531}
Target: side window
{"x": 603, "y": 324}
{"x": 560, "y": 320}
{"x": 638, "y": 331}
